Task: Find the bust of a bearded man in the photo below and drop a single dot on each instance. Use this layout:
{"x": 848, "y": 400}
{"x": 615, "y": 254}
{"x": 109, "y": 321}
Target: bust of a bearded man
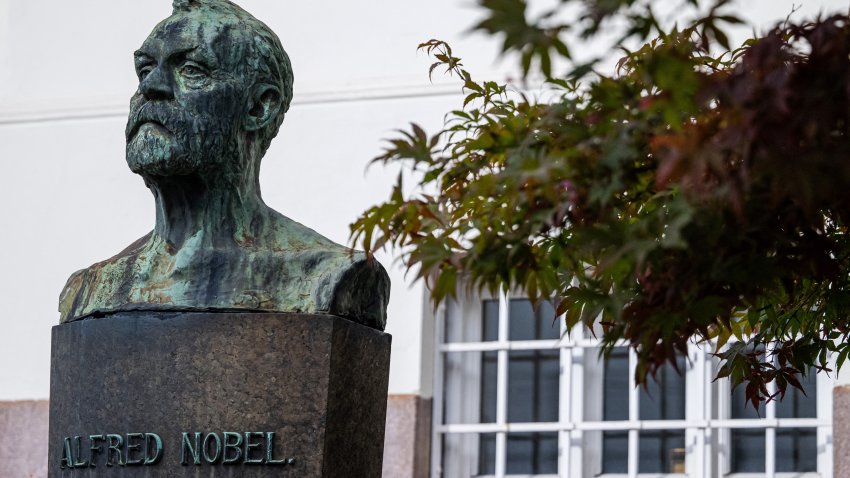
{"x": 214, "y": 85}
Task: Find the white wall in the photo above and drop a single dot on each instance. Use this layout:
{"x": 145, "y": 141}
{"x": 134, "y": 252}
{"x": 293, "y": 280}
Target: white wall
{"x": 68, "y": 200}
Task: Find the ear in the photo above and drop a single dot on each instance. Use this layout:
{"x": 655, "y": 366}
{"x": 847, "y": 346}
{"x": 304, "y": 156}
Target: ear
{"x": 264, "y": 107}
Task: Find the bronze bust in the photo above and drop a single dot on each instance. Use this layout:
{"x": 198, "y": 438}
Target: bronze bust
{"x": 214, "y": 85}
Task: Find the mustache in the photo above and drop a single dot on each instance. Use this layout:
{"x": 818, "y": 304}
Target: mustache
{"x": 170, "y": 117}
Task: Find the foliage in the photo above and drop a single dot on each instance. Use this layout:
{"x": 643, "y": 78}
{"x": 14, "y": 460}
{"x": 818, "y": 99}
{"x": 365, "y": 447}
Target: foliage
{"x": 699, "y": 193}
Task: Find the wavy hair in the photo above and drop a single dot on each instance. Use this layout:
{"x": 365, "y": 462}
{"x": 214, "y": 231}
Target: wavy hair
{"x": 266, "y": 55}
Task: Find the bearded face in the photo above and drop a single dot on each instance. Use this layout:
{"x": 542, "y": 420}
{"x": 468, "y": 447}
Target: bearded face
{"x": 185, "y": 117}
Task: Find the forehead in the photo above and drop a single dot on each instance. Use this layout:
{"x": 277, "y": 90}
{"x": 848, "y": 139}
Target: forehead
{"x": 213, "y": 34}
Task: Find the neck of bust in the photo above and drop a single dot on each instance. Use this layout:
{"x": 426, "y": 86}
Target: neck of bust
{"x": 221, "y": 214}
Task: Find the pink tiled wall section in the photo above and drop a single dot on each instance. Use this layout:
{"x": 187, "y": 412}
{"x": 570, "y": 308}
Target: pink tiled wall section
{"x": 407, "y": 442}
{"x": 841, "y": 431}
{"x": 23, "y": 439}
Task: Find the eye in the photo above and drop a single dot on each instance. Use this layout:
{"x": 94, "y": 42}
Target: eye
{"x": 193, "y": 71}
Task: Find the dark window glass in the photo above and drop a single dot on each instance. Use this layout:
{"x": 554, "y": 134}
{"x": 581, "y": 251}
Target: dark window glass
{"x": 487, "y": 454}
{"x": 528, "y": 324}
{"x": 747, "y": 447}
{"x": 490, "y": 330}
{"x": 747, "y": 451}
{"x": 527, "y": 454}
{"x": 616, "y": 386}
{"x": 489, "y": 364}
{"x": 615, "y": 449}
{"x": 663, "y": 398}
{"x": 532, "y": 453}
{"x": 797, "y": 404}
{"x": 659, "y": 451}
{"x": 533, "y": 386}
{"x": 615, "y": 406}
{"x": 796, "y": 450}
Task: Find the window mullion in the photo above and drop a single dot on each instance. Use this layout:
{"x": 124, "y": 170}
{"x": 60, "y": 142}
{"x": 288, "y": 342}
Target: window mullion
{"x": 695, "y": 413}
{"x": 708, "y": 433}
{"x": 502, "y": 386}
{"x": 437, "y": 403}
{"x": 634, "y": 411}
{"x": 565, "y": 404}
{"x": 770, "y": 436}
{"x": 824, "y": 434}
{"x": 702, "y": 398}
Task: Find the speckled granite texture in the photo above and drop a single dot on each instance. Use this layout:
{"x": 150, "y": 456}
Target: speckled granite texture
{"x": 407, "y": 448}
{"x": 841, "y": 431}
{"x": 319, "y": 382}
{"x": 23, "y": 439}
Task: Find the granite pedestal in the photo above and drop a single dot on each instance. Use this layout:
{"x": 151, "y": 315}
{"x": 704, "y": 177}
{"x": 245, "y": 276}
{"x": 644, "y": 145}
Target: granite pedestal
{"x": 202, "y": 394}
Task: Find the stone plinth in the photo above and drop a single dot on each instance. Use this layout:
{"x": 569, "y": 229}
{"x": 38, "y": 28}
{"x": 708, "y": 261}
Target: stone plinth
{"x": 139, "y": 394}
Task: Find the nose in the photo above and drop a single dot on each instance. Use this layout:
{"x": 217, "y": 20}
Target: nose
{"x": 157, "y": 85}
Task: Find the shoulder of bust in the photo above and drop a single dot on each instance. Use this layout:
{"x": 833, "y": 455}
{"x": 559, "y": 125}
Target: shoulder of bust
{"x": 74, "y": 299}
{"x": 362, "y": 292}
{"x": 69, "y": 298}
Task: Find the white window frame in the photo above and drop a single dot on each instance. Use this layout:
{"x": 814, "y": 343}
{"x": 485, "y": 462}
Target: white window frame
{"x": 706, "y": 438}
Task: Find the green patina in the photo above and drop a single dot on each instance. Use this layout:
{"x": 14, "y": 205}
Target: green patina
{"x": 214, "y": 85}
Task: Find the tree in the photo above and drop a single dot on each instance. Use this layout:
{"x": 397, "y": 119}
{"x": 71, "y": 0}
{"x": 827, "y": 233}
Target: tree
{"x": 698, "y": 193}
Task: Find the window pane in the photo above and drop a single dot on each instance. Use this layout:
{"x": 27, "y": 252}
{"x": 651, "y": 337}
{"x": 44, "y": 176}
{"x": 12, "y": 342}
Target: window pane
{"x": 615, "y": 406}
{"x": 796, "y": 449}
{"x": 747, "y": 451}
{"x": 461, "y": 458}
{"x": 533, "y": 385}
{"x": 490, "y": 320}
{"x": 469, "y": 387}
{"x": 456, "y": 326}
{"x": 527, "y": 454}
{"x": 532, "y": 453}
{"x": 661, "y": 451}
{"x": 799, "y": 405}
{"x": 489, "y": 370}
{"x": 663, "y": 398}
{"x": 526, "y": 324}
{"x": 487, "y": 454}
{"x": 740, "y": 408}
{"x": 615, "y": 454}
{"x": 615, "y": 391}
{"x": 748, "y": 445}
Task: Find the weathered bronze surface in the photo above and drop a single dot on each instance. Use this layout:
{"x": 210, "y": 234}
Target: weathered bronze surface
{"x": 214, "y": 85}
{"x": 211, "y": 394}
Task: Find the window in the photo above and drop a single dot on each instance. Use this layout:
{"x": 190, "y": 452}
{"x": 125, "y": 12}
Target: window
{"x": 517, "y": 397}
{"x": 659, "y": 451}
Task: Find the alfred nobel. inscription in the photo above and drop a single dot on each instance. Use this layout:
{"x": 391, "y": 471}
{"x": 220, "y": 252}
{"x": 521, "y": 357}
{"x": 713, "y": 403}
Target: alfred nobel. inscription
{"x": 147, "y": 449}
{"x": 230, "y": 448}
{"x": 131, "y": 449}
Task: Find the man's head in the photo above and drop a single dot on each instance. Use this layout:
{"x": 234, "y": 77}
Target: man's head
{"x": 214, "y": 85}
